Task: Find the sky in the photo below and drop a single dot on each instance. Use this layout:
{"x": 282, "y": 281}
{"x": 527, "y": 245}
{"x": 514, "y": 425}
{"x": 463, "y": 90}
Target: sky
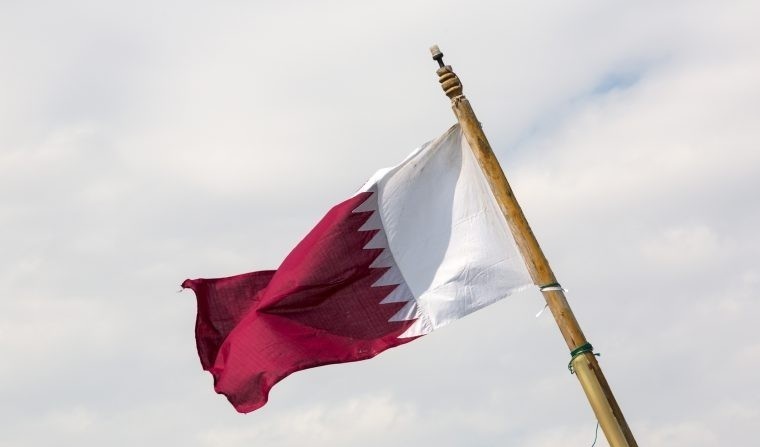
{"x": 142, "y": 143}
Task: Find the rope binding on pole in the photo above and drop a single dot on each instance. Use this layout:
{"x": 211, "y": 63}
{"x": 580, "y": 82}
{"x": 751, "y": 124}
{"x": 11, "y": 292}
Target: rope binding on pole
{"x": 580, "y": 350}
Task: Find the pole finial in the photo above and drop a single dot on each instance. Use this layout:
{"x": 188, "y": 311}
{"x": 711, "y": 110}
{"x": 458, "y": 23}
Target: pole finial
{"x": 437, "y": 55}
{"x": 451, "y": 84}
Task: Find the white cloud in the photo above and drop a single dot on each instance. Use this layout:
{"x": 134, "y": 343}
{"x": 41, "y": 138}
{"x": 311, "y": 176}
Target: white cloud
{"x": 683, "y": 247}
{"x": 71, "y": 421}
{"x": 351, "y": 422}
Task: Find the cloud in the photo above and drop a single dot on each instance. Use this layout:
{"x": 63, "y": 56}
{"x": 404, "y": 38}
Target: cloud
{"x": 357, "y": 420}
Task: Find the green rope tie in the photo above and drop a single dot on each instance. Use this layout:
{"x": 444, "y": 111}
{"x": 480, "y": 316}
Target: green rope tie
{"x": 580, "y": 350}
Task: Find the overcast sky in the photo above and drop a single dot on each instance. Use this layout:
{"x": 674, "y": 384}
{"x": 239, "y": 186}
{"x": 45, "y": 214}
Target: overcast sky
{"x": 143, "y": 142}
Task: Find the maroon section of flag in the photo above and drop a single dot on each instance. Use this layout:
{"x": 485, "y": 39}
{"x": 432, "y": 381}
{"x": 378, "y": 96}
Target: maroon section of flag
{"x": 323, "y": 305}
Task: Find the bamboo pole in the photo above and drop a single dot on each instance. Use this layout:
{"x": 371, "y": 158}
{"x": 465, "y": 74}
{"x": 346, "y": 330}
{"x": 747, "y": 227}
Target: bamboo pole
{"x": 584, "y": 363}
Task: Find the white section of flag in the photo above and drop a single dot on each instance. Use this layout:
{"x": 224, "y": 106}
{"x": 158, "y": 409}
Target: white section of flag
{"x": 448, "y": 241}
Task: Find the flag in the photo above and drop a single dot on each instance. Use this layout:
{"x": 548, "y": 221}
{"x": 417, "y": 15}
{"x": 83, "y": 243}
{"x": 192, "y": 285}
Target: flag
{"x": 418, "y": 246}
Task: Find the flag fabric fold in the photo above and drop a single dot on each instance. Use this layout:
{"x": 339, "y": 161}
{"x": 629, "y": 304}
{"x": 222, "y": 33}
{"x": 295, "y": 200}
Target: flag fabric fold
{"x": 418, "y": 246}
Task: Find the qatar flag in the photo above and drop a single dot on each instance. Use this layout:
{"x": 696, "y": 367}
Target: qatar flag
{"x": 418, "y": 246}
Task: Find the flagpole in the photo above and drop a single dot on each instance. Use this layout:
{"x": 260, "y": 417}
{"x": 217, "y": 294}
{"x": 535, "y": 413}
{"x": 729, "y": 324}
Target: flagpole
{"x": 583, "y": 361}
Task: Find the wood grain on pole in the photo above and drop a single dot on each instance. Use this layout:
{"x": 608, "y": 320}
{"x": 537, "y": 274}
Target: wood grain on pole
{"x": 587, "y": 369}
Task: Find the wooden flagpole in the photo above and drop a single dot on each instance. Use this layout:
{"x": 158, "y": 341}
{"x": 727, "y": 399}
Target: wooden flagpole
{"x": 583, "y": 361}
